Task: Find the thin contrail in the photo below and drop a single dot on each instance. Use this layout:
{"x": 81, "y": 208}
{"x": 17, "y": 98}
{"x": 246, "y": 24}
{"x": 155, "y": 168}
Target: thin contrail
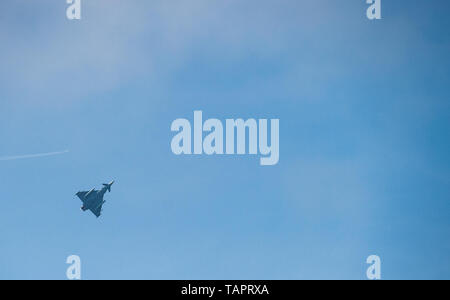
{"x": 32, "y": 155}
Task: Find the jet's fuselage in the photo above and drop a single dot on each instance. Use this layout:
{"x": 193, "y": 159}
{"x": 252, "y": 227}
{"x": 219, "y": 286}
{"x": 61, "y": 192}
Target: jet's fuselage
{"x": 94, "y": 199}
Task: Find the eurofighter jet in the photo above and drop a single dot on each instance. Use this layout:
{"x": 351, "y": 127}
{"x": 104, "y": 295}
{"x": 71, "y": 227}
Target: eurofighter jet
{"x": 93, "y": 199}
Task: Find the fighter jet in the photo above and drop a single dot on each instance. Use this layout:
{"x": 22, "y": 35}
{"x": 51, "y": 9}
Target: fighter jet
{"x": 93, "y": 199}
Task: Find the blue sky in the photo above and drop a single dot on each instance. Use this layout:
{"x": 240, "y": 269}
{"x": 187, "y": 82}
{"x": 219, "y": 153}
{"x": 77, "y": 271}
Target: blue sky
{"x": 364, "y": 139}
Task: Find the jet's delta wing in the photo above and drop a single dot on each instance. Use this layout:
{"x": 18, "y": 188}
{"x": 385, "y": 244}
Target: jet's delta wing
{"x": 97, "y": 211}
{"x": 82, "y": 195}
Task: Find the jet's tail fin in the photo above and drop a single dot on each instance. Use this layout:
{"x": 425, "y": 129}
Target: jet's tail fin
{"x": 108, "y": 185}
